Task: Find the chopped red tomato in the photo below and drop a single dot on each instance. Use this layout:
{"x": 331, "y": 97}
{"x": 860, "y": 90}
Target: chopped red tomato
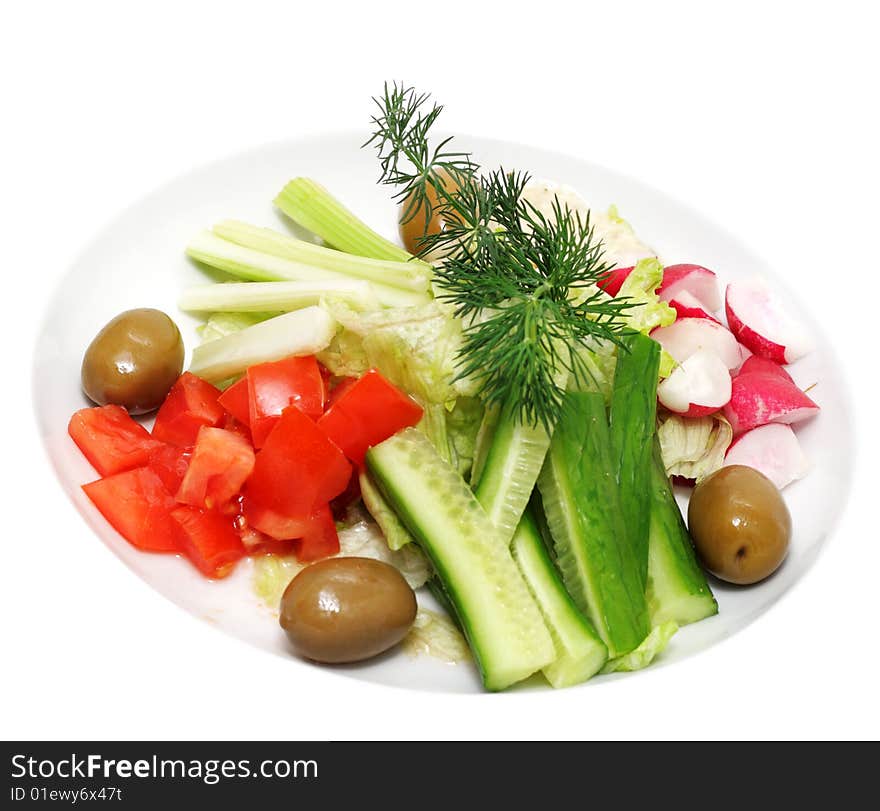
{"x": 274, "y": 386}
{"x": 326, "y": 378}
{"x": 169, "y": 463}
{"x": 208, "y": 539}
{"x": 110, "y": 439}
{"x": 236, "y": 401}
{"x": 272, "y": 523}
{"x": 342, "y": 386}
{"x": 297, "y": 469}
{"x": 258, "y": 543}
{"x": 367, "y": 413}
{"x": 347, "y": 497}
{"x": 231, "y": 424}
{"x": 320, "y": 539}
{"x": 191, "y": 403}
{"x": 139, "y": 507}
{"x": 220, "y": 464}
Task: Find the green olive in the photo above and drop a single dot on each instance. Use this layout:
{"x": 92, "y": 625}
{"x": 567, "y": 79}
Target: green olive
{"x": 347, "y": 609}
{"x": 133, "y": 361}
{"x": 740, "y": 524}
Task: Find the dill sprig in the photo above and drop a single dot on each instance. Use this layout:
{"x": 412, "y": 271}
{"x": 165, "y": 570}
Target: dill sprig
{"x": 524, "y": 283}
{"x": 529, "y": 299}
{"x": 405, "y": 156}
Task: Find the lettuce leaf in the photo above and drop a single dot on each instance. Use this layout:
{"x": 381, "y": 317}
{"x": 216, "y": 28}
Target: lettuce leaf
{"x": 396, "y": 534}
{"x": 652, "y": 646}
{"x": 434, "y": 634}
{"x": 416, "y": 348}
{"x": 640, "y": 287}
{"x": 694, "y": 448}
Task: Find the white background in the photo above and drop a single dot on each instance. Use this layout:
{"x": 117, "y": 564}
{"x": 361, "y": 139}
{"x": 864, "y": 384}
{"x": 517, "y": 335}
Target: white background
{"x": 763, "y": 115}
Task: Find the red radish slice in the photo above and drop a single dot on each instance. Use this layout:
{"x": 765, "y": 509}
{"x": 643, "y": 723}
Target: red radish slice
{"x": 745, "y": 353}
{"x": 613, "y": 281}
{"x": 758, "y": 398}
{"x": 759, "y": 321}
{"x": 755, "y": 363}
{"x": 687, "y": 305}
{"x": 700, "y": 282}
{"x": 699, "y": 387}
{"x": 688, "y": 335}
{"x": 773, "y": 450}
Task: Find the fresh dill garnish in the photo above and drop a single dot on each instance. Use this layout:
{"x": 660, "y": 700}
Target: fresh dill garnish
{"x": 524, "y": 283}
{"x": 401, "y": 132}
{"x": 531, "y": 306}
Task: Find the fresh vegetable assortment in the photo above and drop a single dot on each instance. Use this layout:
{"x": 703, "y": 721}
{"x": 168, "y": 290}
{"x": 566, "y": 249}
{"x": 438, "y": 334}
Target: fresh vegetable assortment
{"x": 509, "y": 394}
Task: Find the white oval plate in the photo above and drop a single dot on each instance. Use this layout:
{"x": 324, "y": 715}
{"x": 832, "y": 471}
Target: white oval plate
{"x": 138, "y": 261}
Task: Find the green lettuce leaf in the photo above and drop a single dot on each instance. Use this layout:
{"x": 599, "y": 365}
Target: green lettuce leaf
{"x": 640, "y": 287}
{"x": 652, "y": 646}
{"x": 396, "y": 534}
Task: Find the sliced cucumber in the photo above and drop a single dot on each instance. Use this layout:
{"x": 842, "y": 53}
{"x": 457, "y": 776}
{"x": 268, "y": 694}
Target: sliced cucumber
{"x": 510, "y": 469}
{"x": 483, "y": 442}
{"x": 579, "y": 652}
{"x": 633, "y": 418}
{"x": 579, "y": 491}
{"x": 501, "y": 620}
{"x": 677, "y": 586}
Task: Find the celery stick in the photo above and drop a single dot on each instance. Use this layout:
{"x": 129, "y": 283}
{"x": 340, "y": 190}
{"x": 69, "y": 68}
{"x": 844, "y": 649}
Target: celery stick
{"x": 302, "y": 332}
{"x": 411, "y": 275}
{"x": 254, "y": 297}
{"x": 313, "y": 207}
{"x": 257, "y": 266}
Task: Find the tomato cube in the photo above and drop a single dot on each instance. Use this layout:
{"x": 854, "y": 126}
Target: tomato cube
{"x": 297, "y": 470}
{"x": 273, "y": 524}
{"x": 191, "y": 403}
{"x": 138, "y": 507}
{"x": 274, "y": 386}
{"x": 236, "y": 401}
{"x": 366, "y": 413}
{"x": 258, "y": 543}
{"x": 320, "y": 539}
{"x": 208, "y": 539}
{"x": 169, "y": 463}
{"x": 221, "y": 462}
{"x": 110, "y": 439}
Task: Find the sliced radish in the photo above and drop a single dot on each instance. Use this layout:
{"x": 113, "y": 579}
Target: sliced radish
{"x": 687, "y": 305}
{"x": 755, "y": 363}
{"x": 698, "y": 387}
{"x": 773, "y": 450}
{"x": 688, "y": 335}
{"x": 758, "y": 398}
{"x": 759, "y": 321}
{"x": 613, "y": 280}
{"x": 700, "y": 282}
{"x": 745, "y": 354}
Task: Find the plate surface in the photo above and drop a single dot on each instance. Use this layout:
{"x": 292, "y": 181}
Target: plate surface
{"x": 138, "y": 261}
